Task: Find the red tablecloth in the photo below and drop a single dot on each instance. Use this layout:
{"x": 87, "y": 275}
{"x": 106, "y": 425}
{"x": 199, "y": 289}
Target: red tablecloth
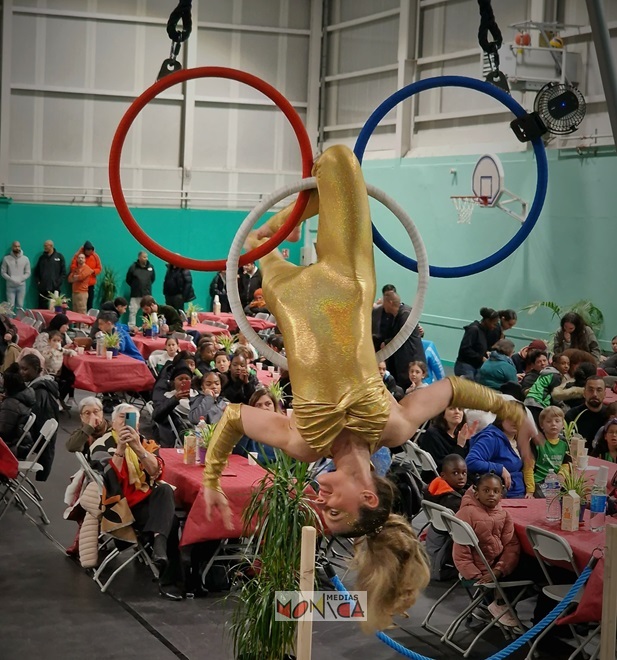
{"x": 27, "y": 334}
{"x": 9, "y": 466}
{"x": 206, "y": 327}
{"x": 266, "y": 377}
{"x": 238, "y": 481}
{"x": 121, "y": 374}
{"x": 74, "y": 317}
{"x": 147, "y": 345}
{"x": 227, "y": 318}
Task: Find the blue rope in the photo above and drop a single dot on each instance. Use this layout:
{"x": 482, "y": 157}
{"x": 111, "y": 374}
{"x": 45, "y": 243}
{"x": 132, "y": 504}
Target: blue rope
{"x": 516, "y": 644}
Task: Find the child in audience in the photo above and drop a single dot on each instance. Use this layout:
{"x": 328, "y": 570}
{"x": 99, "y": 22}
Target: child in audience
{"x": 209, "y": 403}
{"x": 388, "y": 379}
{"x": 243, "y": 341}
{"x": 205, "y": 356}
{"x": 53, "y": 353}
{"x": 540, "y": 393}
{"x": 242, "y": 383}
{"x": 551, "y": 455}
{"x": 606, "y": 447}
{"x": 221, "y": 362}
{"x": 447, "y": 490}
{"x": 481, "y": 508}
{"x": 418, "y": 371}
{"x": 171, "y": 350}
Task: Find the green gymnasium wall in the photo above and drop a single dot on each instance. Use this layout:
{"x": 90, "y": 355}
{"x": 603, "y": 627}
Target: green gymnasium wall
{"x": 198, "y": 234}
{"x": 571, "y": 253}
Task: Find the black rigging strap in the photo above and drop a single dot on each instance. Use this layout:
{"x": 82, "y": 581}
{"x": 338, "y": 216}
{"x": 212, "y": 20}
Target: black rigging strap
{"x": 488, "y": 24}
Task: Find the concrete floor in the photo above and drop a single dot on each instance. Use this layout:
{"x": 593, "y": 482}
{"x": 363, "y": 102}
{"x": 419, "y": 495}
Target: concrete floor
{"x": 50, "y": 608}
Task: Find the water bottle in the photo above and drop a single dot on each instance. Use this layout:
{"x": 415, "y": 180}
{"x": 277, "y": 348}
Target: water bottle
{"x": 162, "y": 322}
{"x": 100, "y": 344}
{"x": 599, "y": 498}
{"x": 155, "y": 325}
{"x": 216, "y": 305}
{"x": 200, "y": 432}
{"x": 552, "y": 490}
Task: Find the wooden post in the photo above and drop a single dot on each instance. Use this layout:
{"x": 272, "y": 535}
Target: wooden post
{"x": 307, "y": 585}
{"x": 609, "y": 598}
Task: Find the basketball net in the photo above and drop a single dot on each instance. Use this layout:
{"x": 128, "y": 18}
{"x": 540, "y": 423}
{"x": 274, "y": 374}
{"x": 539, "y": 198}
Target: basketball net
{"x": 465, "y": 206}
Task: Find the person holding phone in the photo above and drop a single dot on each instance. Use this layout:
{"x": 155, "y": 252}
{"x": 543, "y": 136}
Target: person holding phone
{"x": 173, "y": 406}
{"x": 131, "y": 472}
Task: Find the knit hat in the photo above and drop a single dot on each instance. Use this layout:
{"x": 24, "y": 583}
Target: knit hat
{"x": 180, "y": 369}
{"x": 88, "y": 246}
{"x": 537, "y": 345}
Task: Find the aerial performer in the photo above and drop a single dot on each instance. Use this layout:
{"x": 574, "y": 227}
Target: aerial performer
{"x": 341, "y": 406}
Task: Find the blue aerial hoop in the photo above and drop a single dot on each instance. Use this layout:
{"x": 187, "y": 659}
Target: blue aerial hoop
{"x": 541, "y": 163}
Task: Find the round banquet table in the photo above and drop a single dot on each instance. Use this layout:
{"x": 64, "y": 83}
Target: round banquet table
{"x": 74, "y": 317}
{"x": 27, "y": 334}
{"x": 120, "y": 374}
{"x": 147, "y": 345}
{"x": 228, "y": 319}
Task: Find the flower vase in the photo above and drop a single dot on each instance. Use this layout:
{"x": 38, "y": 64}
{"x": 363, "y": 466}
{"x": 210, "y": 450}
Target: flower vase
{"x": 58, "y": 309}
{"x": 114, "y": 351}
{"x": 201, "y": 455}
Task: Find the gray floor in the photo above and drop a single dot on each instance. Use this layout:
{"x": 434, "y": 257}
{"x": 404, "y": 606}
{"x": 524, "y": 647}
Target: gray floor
{"x": 50, "y": 607}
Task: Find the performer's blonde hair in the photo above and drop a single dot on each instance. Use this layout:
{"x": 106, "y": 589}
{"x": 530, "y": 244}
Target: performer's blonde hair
{"x": 390, "y": 562}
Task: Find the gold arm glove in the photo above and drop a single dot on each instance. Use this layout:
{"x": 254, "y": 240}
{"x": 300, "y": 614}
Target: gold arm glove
{"x": 226, "y": 435}
{"x": 467, "y": 394}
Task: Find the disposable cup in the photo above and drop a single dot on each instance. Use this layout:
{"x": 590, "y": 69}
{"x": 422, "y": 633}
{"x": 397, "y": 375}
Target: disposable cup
{"x": 109, "y": 354}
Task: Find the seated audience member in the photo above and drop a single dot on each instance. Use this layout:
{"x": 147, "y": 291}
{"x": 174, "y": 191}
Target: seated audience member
{"x": 433, "y": 362}
{"x": 606, "y": 447}
{"x": 609, "y": 364}
{"x": 418, "y": 371}
{"x": 285, "y": 385}
{"x": 171, "y": 350}
{"x": 390, "y": 383}
{"x": 206, "y": 353}
{"x": 574, "y": 333}
{"x": 162, "y": 382}
{"x": 474, "y": 345}
{"x": 241, "y": 384}
{"x": 257, "y": 305}
{"x": 520, "y": 359}
{"x": 131, "y": 471}
{"x": 45, "y": 406}
{"x": 551, "y": 377}
{"x": 536, "y": 362}
{"x": 499, "y": 368}
{"x": 93, "y": 426}
{"x": 570, "y": 393}
{"x": 495, "y": 449}
{"x": 118, "y": 305}
{"x": 16, "y": 406}
{"x": 507, "y": 320}
{"x": 173, "y": 322}
{"x": 447, "y": 490}
{"x": 448, "y": 434}
{"x": 591, "y": 415}
{"x": 248, "y": 355}
{"x": 209, "y": 403}
{"x": 221, "y": 362}
{"x": 264, "y": 399}
{"x": 577, "y": 357}
{"x": 79, "y": 277}
{"x": 276, "y": 343}
{"x": 174, "y": 404}
{"x": 109, "y": 325}
{"x": 243, "y": 342}
{"x": 9, "y": 349}
{"x": 481, "y": 509}
{"x": 552, "y": 454}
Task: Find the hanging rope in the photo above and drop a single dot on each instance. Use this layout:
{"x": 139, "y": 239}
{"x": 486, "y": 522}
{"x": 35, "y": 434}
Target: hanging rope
{"x": 515, "y": 645}
{"x": 181, "y": 13}
{"x": 489, "y": 24}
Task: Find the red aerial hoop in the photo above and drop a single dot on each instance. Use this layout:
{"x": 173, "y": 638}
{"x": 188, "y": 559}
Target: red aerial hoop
{"x": 138, "y": 105}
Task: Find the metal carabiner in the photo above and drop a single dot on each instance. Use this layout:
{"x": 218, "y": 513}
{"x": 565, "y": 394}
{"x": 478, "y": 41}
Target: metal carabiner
{"x": 171, "y": 64}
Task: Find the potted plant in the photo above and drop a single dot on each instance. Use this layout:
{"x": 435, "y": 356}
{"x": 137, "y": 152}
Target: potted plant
{"x": 227, "y": 342}
{"x": 146, "y": 326}
{"x": 191, "y": 312}
{"x": 108, "y": 284}
{"x": 279, "y": 508}
{"x": 277, "y": 393}
{"x": 591, "y": 315}
{"x": 57, "y": 301}
{"x": 203, "y": 440}
{"x": 112, "y": 343}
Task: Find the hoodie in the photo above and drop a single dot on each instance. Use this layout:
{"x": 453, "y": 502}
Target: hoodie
{"x": 440, "y": 492}
{"x": 497, "y": 370}
{"x": 474, "y": 345}
{"x": 92, "y": 260}
{"x": 14, "y": 413}
{"x": 45, "y": 407}
{"x": 539, "y": 394}
{"x": 15, "y": 268}
{"x": 140, "y": 279}
{"x": 496, "y": 536}
{"x": 491, "y": 451}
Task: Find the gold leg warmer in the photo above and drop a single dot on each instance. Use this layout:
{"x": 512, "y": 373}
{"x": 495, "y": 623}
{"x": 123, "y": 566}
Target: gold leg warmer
{"x": 228, "y": 432}
{"x": 467, "y": 394}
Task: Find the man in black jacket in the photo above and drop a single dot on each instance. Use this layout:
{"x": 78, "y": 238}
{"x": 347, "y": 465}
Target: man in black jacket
{"x": 49, "y": 273}
{"x": 388, "y": 319}
{"x": 249, "y": 281}
{"x": 140, "y": 278}
{"x": 178, "y": 287}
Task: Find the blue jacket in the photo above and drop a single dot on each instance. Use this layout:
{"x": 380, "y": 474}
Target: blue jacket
{"x": 433, "y": 362}
{"x": 490, "y": 451}
{"x": 496, "y": 371}
{"x": 127, "y": 346}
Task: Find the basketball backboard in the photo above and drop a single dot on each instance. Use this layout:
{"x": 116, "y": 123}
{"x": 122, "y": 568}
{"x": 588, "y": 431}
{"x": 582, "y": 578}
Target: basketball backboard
{"x": 487, "y": 178}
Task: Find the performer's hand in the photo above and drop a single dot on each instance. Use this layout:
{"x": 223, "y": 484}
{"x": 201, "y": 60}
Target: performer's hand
{"x": 215, "y": 500}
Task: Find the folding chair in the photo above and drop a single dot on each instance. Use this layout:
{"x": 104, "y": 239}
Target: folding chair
{"x": 219, "y": 324}
{"x": 463, "y": 534}
{"x": 27, "y": 426}
{"x": 20, "y": 313}
{"x": 423, "y": 461}
{"x": 29, "y": 314}
{"x": 183, "y": 317}
{"x": 271, "y": 318}
{"x": 38, "y": 324}
{"x": 29, "y": 320}
{"x": 31, "y": 464}
{"x": 152, "y": 361}
{"x": 38, "y": 316}
{"x": 549, "y": 548}
{"x": 181, "y": 335}
{"x": 262, "y": 316}
{"x": 93, "y": 312}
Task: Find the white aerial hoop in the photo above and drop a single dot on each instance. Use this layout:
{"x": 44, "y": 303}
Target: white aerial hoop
{"x": 307, "y": 184}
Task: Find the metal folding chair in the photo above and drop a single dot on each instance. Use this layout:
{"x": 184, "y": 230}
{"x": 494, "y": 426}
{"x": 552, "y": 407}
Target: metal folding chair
{"x": 17, "y": 486}
{"x": 29, "y": 320}
{"x": 38, "y": 317}
{"x": 463, "y": 534}
{"x": 20, "y": 313}
{"x": 181, "y": 335}
{"x": 262, "y": 316}
{"x": 219, "y": 324}
{"x": 27, "y": 426}
{"x": 423, "y": 461}
{"x": 93, "y": 312}
{"x": 183, "y": 317}
{"x": 550, "y": 548}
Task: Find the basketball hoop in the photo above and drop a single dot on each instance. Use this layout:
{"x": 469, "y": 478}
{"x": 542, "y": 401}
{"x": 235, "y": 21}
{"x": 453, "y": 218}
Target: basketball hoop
{"x": 465, "y": 206}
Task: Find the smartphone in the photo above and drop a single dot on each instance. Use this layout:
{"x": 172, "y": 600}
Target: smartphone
{"x": 130, "y": 419}
{"x": 185, "y": 386}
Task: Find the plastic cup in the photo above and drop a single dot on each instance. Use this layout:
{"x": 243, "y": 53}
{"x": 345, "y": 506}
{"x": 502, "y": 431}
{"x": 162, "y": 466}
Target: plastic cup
{"x": 271, "y": 369}
{"x": 109, "y": 354}
{"x": 252, "y": 456}
{"x": 258, "y": 366}
{"x": 80, "y": 350}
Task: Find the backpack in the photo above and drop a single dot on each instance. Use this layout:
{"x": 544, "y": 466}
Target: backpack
{"x": 408, "y": 494}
